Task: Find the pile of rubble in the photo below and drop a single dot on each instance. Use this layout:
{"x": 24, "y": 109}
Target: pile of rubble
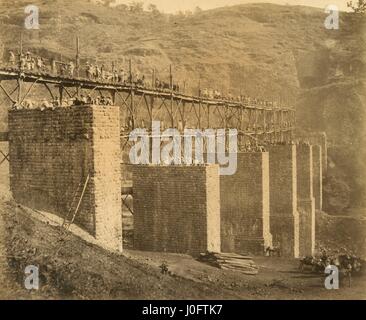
{"x": 230, "y": 261}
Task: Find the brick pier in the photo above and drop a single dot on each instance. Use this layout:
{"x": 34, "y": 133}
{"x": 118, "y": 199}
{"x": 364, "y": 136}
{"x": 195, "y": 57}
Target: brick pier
{"x": 245, "y": 206}
{"x": 306, "y": 201}
{"x": 284, "y": 217}
{"x": 177, "y": 209}
{"x": 318, "y": 176}
{"x": 53, "y": 151}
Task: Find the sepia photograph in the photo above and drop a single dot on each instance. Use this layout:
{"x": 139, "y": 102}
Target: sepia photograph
{"x": 196, "y": 150}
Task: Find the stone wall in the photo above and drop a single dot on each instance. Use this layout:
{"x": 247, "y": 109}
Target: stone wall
{"x": 245, "y": 206}
{"x": 53, "y": 151}
{"x": 284, "y": 217}
{"x": 176, "y": 209}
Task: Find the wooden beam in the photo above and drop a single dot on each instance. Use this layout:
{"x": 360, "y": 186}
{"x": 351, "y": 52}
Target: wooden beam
{"x": 7, "y": 94}
{"x": 28, "y": 91}
{"x": 11, "y": 93}
{"x": 49, "y": 90}
{"x": 6, "y": 157}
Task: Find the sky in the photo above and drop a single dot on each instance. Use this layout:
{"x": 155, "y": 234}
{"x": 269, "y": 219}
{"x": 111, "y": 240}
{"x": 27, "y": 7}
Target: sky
{"x": 172, "y": 6}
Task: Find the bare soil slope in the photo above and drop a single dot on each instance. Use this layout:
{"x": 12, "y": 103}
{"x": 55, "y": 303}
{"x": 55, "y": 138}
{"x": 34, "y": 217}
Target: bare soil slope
{"x": 84, "y": 271}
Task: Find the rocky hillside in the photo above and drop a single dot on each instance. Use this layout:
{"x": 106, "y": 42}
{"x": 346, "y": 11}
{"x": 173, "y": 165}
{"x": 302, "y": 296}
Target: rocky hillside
{"x": 270, "y": 51}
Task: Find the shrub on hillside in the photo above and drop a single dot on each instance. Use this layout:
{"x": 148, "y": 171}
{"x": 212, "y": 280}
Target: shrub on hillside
{"x": 336, "y": 194}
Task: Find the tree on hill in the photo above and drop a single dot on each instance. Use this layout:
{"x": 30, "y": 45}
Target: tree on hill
{"x": 153, "y": 9}
{"x": 136, "y": 6}
{"x": 197, "y": 10}
{"x": 357, "y": 7}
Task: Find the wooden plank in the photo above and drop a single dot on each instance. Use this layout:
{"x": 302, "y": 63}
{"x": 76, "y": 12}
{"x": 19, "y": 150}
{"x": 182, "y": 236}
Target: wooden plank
{"x": 5, "y": 157}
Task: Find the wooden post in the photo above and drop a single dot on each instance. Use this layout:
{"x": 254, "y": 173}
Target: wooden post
{"x": 20, "y": 85}
{"x": 132, "y": 108}
{"x": 171, "y": 96}
{"x": 199, "y": 114}
{"x": 21, "y": 47}
{"x": 130, "y": 71}
{"x": 60, "y": 89}
{"x": 21, "y": 43}
{"x": 199, "y": 87}
{"x": 171, "y": 78}
{"x": 171, "y": 110}
{"x": 152, "y": 102}
{"x": 77, "y": 58}
{"x": 132, "y": 95}
{"x": 113, "y": 94}
{"x": 208, "y": 115}
{"x": 256, "y": 122}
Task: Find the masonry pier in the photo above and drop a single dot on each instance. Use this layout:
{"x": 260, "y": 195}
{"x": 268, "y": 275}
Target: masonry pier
{"x": 284, "y": 217}
{"x": 244, "y": 200}
{"x": 177, "y": 208}
{"x": 318, "y": 176}
{"x": 306, "y": 201}
{"x": 61, "y": 157}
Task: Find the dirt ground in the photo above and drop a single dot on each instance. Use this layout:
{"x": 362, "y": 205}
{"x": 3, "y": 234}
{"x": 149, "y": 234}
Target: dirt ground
{"x": 81, "y": 270}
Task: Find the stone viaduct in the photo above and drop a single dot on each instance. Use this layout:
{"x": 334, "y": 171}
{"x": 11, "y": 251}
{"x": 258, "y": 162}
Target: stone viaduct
{"x": 269, "y": 201}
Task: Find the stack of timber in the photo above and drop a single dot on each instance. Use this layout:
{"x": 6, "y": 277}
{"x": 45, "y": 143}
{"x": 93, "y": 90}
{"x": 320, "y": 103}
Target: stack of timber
{"x": 230, "y": 261}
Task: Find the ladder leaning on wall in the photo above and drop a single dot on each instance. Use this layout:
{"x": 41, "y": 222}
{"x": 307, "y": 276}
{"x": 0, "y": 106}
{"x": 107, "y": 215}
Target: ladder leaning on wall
{"x": 67, "y": 223}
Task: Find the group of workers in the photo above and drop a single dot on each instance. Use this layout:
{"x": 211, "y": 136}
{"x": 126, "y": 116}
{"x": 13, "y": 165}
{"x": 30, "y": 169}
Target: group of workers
{"x": 33, "y": 63}
{"x": 27, "y": 62}
{"x": 56, "y": 103}
{"x": 94, "y": 72}
{"x": 100, "y": 73}
{"x": 216, "y": 94}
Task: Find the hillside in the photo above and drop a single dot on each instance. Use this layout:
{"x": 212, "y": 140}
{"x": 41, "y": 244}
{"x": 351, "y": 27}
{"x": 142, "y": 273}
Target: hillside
{"x": 270, "y": 51}
{"x": 72, "y": 268}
